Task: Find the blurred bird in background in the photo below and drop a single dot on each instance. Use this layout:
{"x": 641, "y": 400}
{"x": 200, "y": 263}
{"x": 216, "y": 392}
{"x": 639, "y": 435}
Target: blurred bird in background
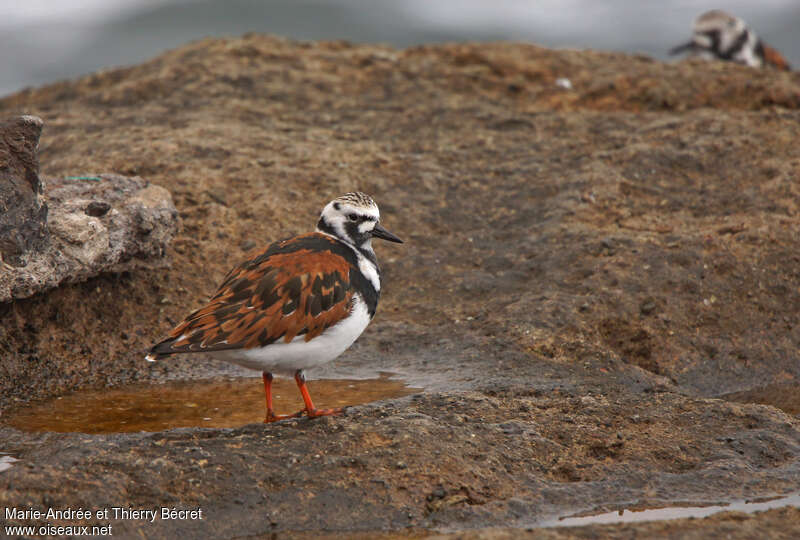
{"x": 720, "y": 36}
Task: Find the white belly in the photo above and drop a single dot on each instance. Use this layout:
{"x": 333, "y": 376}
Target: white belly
{"x": 286, "y": 358}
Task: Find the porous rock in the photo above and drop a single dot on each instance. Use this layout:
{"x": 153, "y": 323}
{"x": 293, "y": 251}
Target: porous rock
{"x": 97, "y": 223}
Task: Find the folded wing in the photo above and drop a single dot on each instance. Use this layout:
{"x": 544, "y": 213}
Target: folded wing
{"x": 290, "y": 289}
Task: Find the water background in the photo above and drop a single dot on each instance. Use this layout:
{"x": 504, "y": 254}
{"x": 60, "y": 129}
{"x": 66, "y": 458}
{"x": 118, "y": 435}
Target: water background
{"x": 43, "y": 41}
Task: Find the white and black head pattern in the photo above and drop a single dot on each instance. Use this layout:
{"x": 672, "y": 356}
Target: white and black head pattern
{"x": 351, "y": 218}
{"x": 720, "y": 36}
{"x": 354, "y": 218}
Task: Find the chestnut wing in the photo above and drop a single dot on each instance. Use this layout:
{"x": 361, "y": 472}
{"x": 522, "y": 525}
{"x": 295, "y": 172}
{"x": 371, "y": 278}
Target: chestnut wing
{"x": 277, "y": 294}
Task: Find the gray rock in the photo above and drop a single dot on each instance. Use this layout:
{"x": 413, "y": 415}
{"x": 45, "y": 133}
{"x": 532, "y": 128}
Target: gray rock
{"x": 23, "y": 213}
{"x": 98, "y": 223}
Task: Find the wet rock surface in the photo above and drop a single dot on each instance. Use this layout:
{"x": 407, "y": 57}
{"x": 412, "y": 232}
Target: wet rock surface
{"x": 780, "y": 523}
{"x": 585, "y": 271}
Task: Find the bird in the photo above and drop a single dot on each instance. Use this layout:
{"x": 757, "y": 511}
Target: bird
{"x": 295, "y": 304}
{"x": 721, "y": 36}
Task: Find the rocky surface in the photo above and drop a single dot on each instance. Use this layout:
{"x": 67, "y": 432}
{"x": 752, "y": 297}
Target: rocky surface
{"x": 97, "y": 223}
{"x": 585, "y": 272}
{"x": 23, "y": 212}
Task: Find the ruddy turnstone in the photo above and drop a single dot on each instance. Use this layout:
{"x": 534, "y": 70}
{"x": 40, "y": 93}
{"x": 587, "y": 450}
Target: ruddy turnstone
{"x": 718, "y": 35}
{"x": 295, "y": 304}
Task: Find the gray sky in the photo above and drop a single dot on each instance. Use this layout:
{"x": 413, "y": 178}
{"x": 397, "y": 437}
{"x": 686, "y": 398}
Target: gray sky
{"x": 45, "y": 40}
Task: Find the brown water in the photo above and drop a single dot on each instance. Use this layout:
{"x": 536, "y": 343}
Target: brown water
{"x": 673, "y": 512}
{"x": 226, "y": 403}
{"x": 785, "y": 396}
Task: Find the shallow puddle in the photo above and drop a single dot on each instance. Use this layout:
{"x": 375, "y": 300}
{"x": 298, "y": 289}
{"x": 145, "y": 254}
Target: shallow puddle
{"x": 785, "y": 396}
{"x": 673, "y": 512}
{"x": 228, "y": 403}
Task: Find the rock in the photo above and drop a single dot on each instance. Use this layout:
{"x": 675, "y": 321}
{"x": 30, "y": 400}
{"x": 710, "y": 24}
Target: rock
{"x": 97, "y": 208}
{"x": 23, "y": 212}
{"x": 537, "y": 221}
{"x": 100, "y": 223}
{"x": 95, "y": 224}
{"x": 648, "y": 306}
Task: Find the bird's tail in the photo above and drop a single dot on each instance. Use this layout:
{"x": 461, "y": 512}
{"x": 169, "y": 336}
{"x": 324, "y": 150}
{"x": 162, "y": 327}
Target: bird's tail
{"x": 160, "y": 350}
{"x": 775, "y": 59}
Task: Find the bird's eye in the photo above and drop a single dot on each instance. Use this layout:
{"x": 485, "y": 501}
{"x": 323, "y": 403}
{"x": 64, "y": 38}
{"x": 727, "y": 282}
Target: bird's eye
{"x": 352, "y": 217}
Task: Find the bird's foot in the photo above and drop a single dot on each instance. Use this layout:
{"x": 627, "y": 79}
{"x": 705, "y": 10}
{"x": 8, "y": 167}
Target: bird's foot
{"x": 314, "y": 413}
{"x": 272, "y": 417}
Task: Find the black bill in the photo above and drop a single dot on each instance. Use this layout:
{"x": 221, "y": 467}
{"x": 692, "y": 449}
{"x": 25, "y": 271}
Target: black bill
{"x": 380, "y": 232}
{"x": 690, "y": 46}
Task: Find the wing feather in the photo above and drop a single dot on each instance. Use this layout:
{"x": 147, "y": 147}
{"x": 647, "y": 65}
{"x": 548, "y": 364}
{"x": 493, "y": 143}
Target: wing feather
{"x": 288, "y": 289}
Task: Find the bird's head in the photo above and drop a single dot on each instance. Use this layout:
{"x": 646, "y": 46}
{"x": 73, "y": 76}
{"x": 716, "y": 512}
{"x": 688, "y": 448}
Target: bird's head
{"x": 354, "y": 218}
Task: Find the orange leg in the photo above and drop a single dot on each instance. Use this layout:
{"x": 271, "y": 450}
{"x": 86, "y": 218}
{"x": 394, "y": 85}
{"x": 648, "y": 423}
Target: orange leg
{"x": 310, "y": 410}
{"x": 271, "y": 416}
